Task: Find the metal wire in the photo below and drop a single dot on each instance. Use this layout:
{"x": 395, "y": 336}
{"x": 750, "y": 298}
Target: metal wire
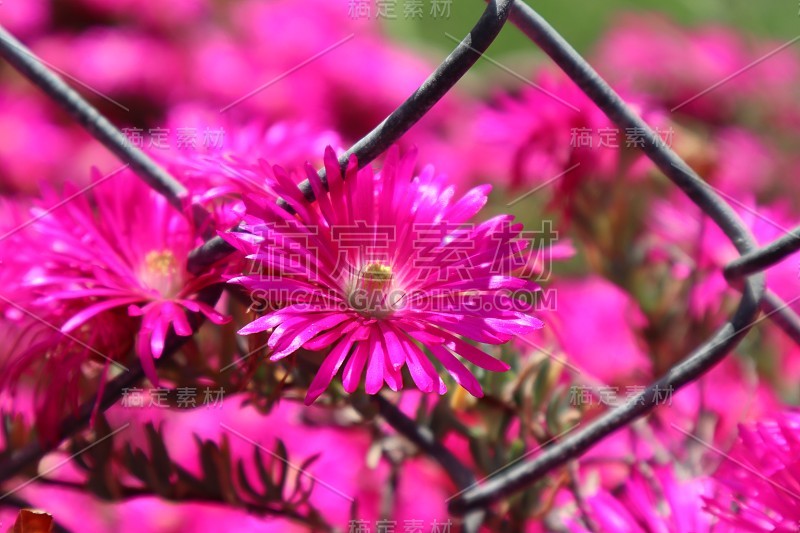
{"x": 400, "y": 121}
{"x": 765, "y": 257}
{"x": 696, "y": 363}
{"x": 22, "y": 59}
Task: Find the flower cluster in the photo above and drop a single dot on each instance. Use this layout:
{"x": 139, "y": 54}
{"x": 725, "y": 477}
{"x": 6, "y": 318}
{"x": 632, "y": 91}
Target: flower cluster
{"x": 758, "y": 485}
{"x": 510, "y": 270}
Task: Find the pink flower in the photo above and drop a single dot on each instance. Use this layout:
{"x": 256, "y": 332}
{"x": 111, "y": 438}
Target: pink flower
{"x": 609, "y": 321}
{"x": 744, "y": 163}
{"x": 676, "y": 65}
{"x": 688, "y": 240}
{"x": 759, "y": 481}
{"x": 118, "y": 246}
{"x": 23, "y": 163}
{"x": 656, "y": 501}
{"x": 346, "y": 467}
{"x": 43, "y": 370}
{"x": 353, "y": 100}
{"x": 116, "y": 61}
{"x": 381, "y": 266}
{"x": 27, "y": 18}
{"x": 553, "y": 131}
{"x": 746, "y": 397}
{"x": 224, "y": 160}
{"x": 655, "y": 55}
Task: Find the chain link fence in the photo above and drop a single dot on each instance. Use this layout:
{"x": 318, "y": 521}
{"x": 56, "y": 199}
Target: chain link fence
{"x": 745, "y": 273}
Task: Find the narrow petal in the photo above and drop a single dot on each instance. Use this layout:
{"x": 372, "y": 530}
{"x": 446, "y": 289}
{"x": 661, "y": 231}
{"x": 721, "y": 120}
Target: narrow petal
{"x": 355, "y": 366}
{"x": 471, "y": 353}
{"x": 329, "y": 368}
{"x": 456, "y": 368}
{"x": 93, "y": 310}
{"x": 375, "y": 368}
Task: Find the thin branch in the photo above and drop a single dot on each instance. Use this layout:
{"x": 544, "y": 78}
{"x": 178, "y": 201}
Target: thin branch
{"x": 765, "y": 257}
{"x": 580, "y": 500}
{"x": 209, "y": 253}
{"x": 22, "y": 59}
{"x": 400, "y": 121}
{"x": 424, "y": 439}
{"x": 703, "y": 358}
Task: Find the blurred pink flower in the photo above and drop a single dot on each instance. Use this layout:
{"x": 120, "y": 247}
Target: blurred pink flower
{"x": 345, "y": 469}
{"x": 116, "y": 62}
{"x": 676, "y": 64}
{"x": 689, "y": 241}
{"x": 117, "y": 246}
{"x": 225, "y": 149}
{"x": 380, "y": 74}
{"x": 79, "y": 511}
{"x": 758, "y": 481}
{"x": 659, "y": 501}
{"x": 655, "y": 55}
{"x": 554, "y": 131}
{"x": 225, "y": 159}
{"x": 609, "y": 321}
{"x": 24, "y": 164}
{"x": 745, "y": 164}
{"x": 729, "y": 394}
{"x": 26, "y": 18}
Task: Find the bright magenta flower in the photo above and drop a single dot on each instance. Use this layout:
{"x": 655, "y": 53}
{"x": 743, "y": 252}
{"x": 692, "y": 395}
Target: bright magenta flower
{"x": 119, "y": 246}
{"x": 674, "y": 64}
{"x": 538, "y": 133}
{"x": 226, "y": 160}
{"x": 380, "y": 267}
{"x": 657, "y": 502}
{"x": 760, "y": 480}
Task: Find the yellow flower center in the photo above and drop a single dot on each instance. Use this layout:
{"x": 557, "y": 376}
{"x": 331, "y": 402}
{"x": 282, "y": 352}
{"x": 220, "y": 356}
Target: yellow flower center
{"x": 161, "y": 272}
{"x": 370, "y": 293}
{"x": 377, "y": 273}
{"x": 161, "y": 263}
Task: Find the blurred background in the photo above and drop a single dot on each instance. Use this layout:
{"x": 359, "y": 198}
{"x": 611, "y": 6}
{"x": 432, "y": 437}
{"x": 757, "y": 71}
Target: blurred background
{"x": 582, "y": 22}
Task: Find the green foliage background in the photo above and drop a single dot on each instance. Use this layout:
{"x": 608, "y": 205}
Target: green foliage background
{"x": 582, "y": 22}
